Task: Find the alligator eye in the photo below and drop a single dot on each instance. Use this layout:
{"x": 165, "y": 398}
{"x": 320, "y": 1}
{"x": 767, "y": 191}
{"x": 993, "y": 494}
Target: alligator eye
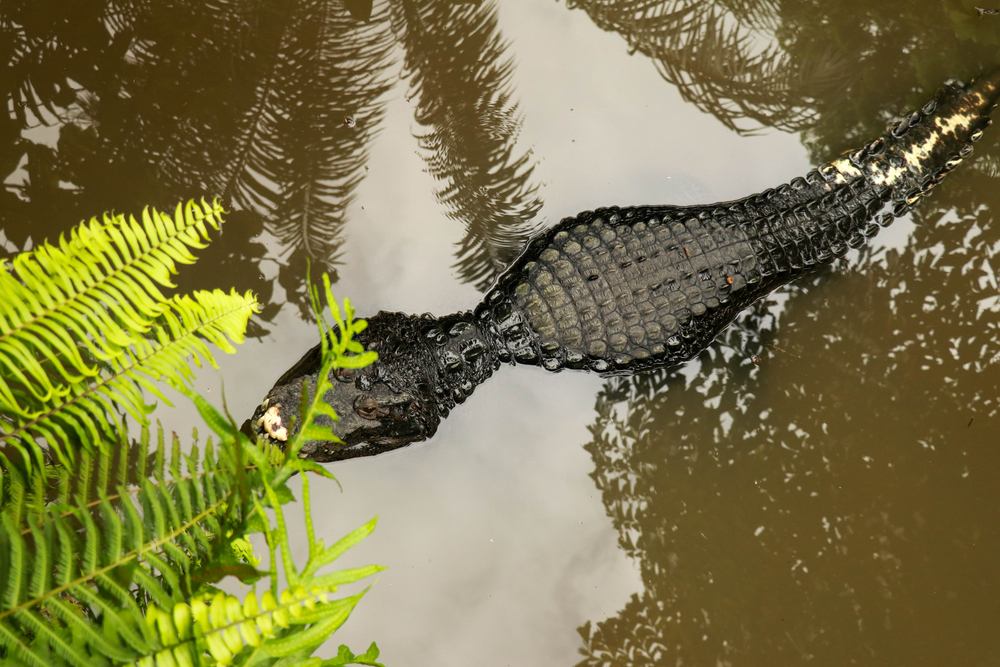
{"x": 367, "y": 407}
{"x": 344, "y": 374}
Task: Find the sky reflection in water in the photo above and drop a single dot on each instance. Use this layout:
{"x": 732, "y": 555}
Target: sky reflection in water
{"x": 817, "y": 487}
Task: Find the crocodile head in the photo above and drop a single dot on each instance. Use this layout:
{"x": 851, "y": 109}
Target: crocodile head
{"x": 373, "y": 417}
{"x": 381, "y": 407}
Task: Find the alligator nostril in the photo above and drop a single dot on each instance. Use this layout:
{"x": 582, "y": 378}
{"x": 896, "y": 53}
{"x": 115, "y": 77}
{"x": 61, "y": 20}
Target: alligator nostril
{"x": 400, "y": 411}
{"x": 271, "y": 422}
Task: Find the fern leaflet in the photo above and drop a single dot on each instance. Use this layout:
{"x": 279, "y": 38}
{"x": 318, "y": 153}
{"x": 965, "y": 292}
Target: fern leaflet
{"x": 84, "y": 328}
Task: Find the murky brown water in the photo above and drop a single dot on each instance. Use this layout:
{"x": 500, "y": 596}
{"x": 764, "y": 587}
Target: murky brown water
{"x": 818, "y": 487}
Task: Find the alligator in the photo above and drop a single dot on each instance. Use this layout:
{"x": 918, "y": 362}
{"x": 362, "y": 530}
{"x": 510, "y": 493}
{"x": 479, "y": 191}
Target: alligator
{"x": 621, "y": 290}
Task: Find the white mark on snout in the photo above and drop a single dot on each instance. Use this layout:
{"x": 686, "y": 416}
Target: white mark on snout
{"x": 272, "y": 424}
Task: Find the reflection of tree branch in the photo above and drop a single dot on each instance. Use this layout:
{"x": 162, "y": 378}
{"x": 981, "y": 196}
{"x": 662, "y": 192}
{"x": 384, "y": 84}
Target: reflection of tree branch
{"x": 709, "y": 50}
{"x": 247, "y": 99}
{"x": 462, "y": 83}
{"x": 312, "y": 118}
{"x": 721, "y": 484}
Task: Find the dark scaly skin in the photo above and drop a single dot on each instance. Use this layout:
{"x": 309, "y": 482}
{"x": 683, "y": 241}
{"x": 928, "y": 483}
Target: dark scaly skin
{"x": 621, "y": 290}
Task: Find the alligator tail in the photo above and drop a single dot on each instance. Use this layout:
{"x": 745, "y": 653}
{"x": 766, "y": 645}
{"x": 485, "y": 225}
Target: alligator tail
{"x": 799, "y": 227}
{"x": 918, "y": 152}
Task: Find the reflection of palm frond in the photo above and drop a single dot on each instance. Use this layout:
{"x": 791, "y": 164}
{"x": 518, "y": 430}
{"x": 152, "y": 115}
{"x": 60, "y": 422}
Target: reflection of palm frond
{"x": 688, "y": 471}
{"x": 274, "y": 107}
{"x": 709, "y": 50}
{"x": 302, "y": 140}
{"x": 49, "y": 55}
{"x": 462, "y": 82}
{"x": 760, "y": 14}
{"x": 121, "y": 15}
{"x": 30, "y": 82}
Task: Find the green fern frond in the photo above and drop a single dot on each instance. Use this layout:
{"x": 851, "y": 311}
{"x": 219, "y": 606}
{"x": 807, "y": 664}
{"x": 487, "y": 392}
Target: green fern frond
{"x": 335, "y": 349}
{"x": 84, "y": 327}
{"x": 91, "y": 481}
{"x": 67, "y": 559}
{"x": 278, "y": 624}
{"x": 88, "y": 411}
{"x": 90, "y": 556}
{"x": 56, "y": 298}
{"x": 221, "y": 629}
{"x": 156, "y": 537}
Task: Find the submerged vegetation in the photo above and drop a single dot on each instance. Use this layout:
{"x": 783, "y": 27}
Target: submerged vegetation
{"x": 110, "y": 548}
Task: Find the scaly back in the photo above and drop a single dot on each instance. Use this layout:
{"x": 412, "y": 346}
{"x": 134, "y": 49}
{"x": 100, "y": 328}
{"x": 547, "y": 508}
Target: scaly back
{"x": 619, "y": 290}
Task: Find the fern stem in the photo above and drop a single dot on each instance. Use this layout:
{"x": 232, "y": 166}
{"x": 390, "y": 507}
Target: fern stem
{"x": 307, "y": 511}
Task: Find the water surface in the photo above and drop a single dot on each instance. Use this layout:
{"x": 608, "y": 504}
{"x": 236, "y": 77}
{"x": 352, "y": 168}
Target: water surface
{"x": 817, "y": 487}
